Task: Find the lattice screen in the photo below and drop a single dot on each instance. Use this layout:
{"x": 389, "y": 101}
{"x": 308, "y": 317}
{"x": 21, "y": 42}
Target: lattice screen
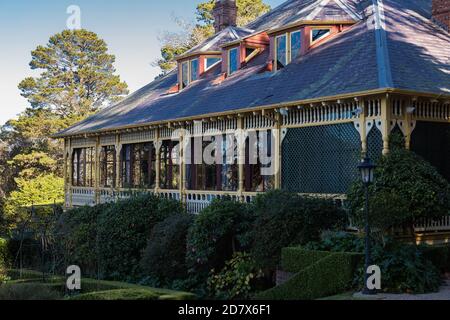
{"x": 374, "y": 144}
{"x": 321, "y": 159}
{"x": 432, "y": 142}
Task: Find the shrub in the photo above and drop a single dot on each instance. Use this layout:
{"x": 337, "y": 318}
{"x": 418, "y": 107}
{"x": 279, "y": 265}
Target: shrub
{"x": 330, "y": 275}
{"x": 295, "y": 259}
{"x": 77, "y": 235}
{"x": 284, "y": 219}
{"x": 217, "y": 233}
{"x": 438, "y": 255}
{"x": 405, "y": 269}
{"x": 28, "y": 291}
{"x": 338, "y": 242}
{"x": 237, "y": 280}
{"x": 123, "y": 230}
{"x": 164, "y": 259}
{"x": 406, "y": 188}
{"x": 118, "y": 294}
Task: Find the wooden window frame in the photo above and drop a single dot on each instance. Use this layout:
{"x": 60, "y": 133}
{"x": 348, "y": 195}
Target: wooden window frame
{"x": 312, "y": 42}
{"x": 229, "y": 60}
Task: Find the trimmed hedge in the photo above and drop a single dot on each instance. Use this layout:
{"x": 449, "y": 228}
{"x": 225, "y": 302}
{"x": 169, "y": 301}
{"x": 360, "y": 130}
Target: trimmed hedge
{"x": 328, "y": 276}
{"x": 296, "y": 259}
{"x": 3, "y": 252}
{"x": 92, "y": 285}
{"x": 118, "y": 294}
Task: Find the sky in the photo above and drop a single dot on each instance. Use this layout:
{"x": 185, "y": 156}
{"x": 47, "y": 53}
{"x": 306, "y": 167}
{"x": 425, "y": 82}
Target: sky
{"x": 130, "y": 28}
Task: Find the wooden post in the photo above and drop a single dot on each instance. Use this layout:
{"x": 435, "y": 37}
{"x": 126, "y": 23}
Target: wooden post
{"x": 97, "y": 170}
{"x": 158, "y": 145}
{"x": 182, "y": 176}
{"x": 118, "y": 149}
{"x": 277, "y": 149}
{"x": 241, "y": 156}
{"x": 385, "y": 122}
{"x": 363, "y": 128}
{"x": 407, "y": 126}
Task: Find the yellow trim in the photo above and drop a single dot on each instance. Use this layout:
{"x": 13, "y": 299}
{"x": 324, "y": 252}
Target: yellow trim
{"x": 149, "y": 125}
{"x": 309, "y": 22}
{"x": 197, "y": 53}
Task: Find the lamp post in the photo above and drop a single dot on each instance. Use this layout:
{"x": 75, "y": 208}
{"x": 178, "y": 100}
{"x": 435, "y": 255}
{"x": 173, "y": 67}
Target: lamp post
{"x": 367, "y": 168}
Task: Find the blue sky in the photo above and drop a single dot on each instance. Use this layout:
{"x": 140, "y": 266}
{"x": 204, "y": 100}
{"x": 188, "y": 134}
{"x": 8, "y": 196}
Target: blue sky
{"x": 130, "y": 27}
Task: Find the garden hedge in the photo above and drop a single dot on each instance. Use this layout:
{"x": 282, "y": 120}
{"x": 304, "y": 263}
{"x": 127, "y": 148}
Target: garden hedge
{"x": 295, "y": 259}
{"x": 438, "y": 255}
{"x": 3, "y": 252}
{"x": 328, "y": 276}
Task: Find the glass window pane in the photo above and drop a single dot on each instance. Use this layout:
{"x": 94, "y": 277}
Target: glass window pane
{"x": 185, "y": 74}
{"x": 211, "y": 61}
{"x": 234, "y": 60}
{"x": 318, "y": 34}
{"x": 281, "y": 52}
{"x": 194, "y": 69}
{"x": 296, "y": 44}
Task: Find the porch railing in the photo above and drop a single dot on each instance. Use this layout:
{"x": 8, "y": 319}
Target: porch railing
{"x": 433, "y": 225}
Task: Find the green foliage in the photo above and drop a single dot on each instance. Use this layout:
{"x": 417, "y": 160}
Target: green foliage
{"x": 330, "y": 275}
{"x": 406, "y": 188}
{"x": 295, "y": 259}
{"x": 404, "y": 268}
{"x": 164, "y": 259}
{"x": 439, "y": 256}
{"x": 78, "y": 74}
{"x": 217, "y": 233}
{"x": 123, "y": 230}
{"x": 28, "y": 291}
{"x": 3, "y": 259}
{"x": 237, "y": 280}
{"x": 119, "y": 294}
{"x": 284, "y": 219}
{"x": 338, "y": 242}
{"x": 42, "y": 190}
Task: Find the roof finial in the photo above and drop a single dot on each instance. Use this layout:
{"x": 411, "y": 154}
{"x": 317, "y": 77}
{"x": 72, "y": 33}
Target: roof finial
{"x": 225, "y": 14}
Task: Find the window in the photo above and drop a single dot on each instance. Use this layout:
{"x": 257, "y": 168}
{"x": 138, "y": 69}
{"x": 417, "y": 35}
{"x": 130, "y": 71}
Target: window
{"x": 83, "y": 162}
{"x": 258, "y": 161}
{"x": 169, "y": 169}
{"x": 184, "y": 74}
{"x": 296, "y": 44}
{"x": 108, "y": 167}
{"x": 194, "y": 70}
{"x": 209, "y": 62}
{"x": 281, "y": 44}
{"x": 222, "y": 174}
{"x": 138, "y": 166}
{"x": 233, "y": 60}
{"x": 317, "y": 34}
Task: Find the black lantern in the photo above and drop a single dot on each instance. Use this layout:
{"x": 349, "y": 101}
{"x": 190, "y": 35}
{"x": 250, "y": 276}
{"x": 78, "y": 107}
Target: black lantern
{"x": 367, "y": 169}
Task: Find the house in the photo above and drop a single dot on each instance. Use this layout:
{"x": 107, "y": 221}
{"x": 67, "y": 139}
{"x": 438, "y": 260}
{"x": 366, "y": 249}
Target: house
{"x": 315, "y": 83}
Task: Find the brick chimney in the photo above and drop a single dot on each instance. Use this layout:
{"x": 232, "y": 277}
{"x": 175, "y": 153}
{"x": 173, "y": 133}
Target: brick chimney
{"x": 441, "y": 12}
{"x": 225, "y": 14}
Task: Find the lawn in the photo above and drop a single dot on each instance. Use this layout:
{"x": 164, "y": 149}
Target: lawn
{"x": 30, "y": 286}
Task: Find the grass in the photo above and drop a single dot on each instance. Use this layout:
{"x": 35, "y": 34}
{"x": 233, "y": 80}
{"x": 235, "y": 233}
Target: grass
{"x": 92, "y": 289}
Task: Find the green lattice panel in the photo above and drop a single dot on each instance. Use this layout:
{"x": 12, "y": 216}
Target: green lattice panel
{"x": 432, "y": 142}
{"x": 320, "y": 159}
{"x": 374, "y": 144}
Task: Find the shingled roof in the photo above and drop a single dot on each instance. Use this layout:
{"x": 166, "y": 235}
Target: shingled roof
{"x": 395, "y": 45}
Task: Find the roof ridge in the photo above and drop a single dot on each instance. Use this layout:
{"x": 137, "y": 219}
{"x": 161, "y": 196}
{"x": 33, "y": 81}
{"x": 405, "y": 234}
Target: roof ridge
{"x": 383, "y": 61}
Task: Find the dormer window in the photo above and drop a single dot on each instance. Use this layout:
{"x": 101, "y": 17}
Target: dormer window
{"x": 288, "y": 47}
{"x": 211, "y": 62}
{"x": 194, "y": 70}
{"x": 233, "y": 60}
{"x": 318, "y": 34}
{"x": 189, "y": 72}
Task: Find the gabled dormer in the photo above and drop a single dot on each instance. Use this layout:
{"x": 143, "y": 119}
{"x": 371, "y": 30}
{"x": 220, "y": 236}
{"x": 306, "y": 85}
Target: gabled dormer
{"x": 309, "y": 28}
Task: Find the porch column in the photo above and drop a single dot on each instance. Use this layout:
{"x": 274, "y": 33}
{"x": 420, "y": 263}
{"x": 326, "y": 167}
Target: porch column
{"x": 385, "y": 122}
{"x": 407, "y": 125}
{"x": 363, "y": 127}
{"x": 158, "y": 145}
{"x": 277, "y": 149}
{"x": 118, "y": 149}
{"x": 182, "y": 177}
{"x": 97, "y": 170}
{"x": 241, "y": 156}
